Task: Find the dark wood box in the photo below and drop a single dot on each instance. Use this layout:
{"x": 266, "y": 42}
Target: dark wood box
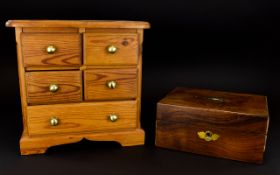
{"x": 213, "y": 123}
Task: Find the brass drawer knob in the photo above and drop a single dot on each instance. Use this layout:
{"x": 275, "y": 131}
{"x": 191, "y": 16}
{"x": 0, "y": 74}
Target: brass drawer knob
{"x": 112, "y": 49}
{"x": 208, "y": 136}
{"x": 53, "y": 87}
{"x": 54, "y": 121}
{"x": 112, "y": 84}
{"x": 51, "y": 49}
{"x": 113, "y": 117}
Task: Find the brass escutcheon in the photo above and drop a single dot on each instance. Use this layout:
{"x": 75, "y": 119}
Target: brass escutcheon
{"x": 208, "y": 135}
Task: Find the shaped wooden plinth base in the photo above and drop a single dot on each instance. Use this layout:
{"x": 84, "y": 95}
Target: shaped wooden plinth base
{"x": 39, "y": 144}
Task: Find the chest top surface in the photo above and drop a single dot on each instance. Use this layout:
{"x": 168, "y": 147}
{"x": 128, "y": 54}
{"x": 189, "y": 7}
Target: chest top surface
{"x": 247, "y": 104}
{"x": 78, "y": 23}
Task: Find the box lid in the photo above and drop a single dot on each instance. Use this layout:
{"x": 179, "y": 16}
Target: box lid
{"x": 245, "y": 104}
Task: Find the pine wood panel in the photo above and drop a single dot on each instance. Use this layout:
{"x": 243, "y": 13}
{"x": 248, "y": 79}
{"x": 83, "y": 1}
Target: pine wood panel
{"x": 39, "y": 144}
{"x": 50, "y": 30}
{"x": 102, "y": 30}
{"x": 139, "y": 76}
{"x": 69, "y": 82}
{"x": 78, "y": 23}
{"x": 21, "y": 76}
{"x": 34, "y": 49}
{"x": 95, "y": 84}
{"x": 82, "y": 117}
{"x": 96, "y": 49}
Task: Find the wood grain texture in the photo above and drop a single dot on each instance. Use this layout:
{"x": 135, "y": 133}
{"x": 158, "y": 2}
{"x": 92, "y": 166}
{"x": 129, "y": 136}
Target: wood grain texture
{"x": 21, "y": 76}
{"x": 38, "y": 145}
{"x": 96, "y": 49}
{"x": 50, "y": 30}
{"x": 95, "y": 84}
{"x": 81, "y": 117}
{"x": 212, "y": 119}
{"x": 242, "y": 132}
{"x": 34, "y": 49}
{"x": 248, "y": 147}
{"x": 255, "y": 105}
{"x": 139, "y": 75}
{"x": 40, "y": 68}
{"x": 78, "y": 23}
{"x": 110, "y": 30}
{"x": 37, "y": 70}
{"x": 69, "y": 82}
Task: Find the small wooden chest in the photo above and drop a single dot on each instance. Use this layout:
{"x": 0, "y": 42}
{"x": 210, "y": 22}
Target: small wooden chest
{"x": 79, "y": 79}
{"x": 213, "y": 123}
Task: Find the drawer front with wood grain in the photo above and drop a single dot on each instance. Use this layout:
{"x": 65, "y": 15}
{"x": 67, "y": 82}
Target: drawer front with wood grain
{"x": 111, "y": 49}
{"x": 51, "y": 50}
{"x": 110, "y": 84}
{"x": 47, "y": 87}
{"x": 81, "y": 117}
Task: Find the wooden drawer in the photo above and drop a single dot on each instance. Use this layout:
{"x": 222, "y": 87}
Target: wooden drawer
{"x": 99, "y": 84}
{"x": 63, "y": 49}
{"x": 53, "y": 87}
{"x": 100, "y": 47}
{"x": 82, "y": 117}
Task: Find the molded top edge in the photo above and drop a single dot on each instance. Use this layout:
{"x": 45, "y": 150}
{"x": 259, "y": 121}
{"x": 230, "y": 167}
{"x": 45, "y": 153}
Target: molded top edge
{"x": 78, "y": 23}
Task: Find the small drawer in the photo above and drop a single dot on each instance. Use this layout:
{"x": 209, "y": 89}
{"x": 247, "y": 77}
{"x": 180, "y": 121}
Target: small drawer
{"x": 53, "y": 87}
{"x": 110, "y": 84}
{"x": 82, "y": 117}
{"x": 51, "y": 50}
{"x": 111, "y": 49}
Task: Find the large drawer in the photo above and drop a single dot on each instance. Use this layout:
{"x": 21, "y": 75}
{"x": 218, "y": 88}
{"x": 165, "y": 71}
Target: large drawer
{"x": 51, "y": 50}
{"x": 82, "y": 117}
{"x": 47, "y": 87}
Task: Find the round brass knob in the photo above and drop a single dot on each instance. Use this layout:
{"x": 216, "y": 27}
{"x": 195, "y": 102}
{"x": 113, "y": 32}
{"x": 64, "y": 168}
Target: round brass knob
{"x": 53, "y": 87}
{"x": 112, "y": 49}
{"x": 54, "y": 121}
{"x": 113, "y": 117}
{"x": 112, "y": 84}
{"x": 50, "y": 49}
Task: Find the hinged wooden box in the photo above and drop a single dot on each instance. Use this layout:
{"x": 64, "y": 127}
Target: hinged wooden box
{"x": 220, "y": 124}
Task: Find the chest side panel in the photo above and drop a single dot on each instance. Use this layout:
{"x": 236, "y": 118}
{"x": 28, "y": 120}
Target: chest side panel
{"x": 240, "y": 137}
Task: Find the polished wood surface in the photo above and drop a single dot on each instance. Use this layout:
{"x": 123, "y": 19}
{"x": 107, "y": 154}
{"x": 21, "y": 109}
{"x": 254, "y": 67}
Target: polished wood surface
{"x": 78, "y": 108}
{"x": 78, "y": 23}
{"x": 95, "y": 84}
{"x": 211, "y": 119}
{"x": 239, "y": 103}
{"x": 68, "y": 52}
{"x": 96, "y": 45}
{"x": 242, "y": 132}
{"x": 69, "y": 83}
{"x": 242, "y": 146}
{"x": 81, "y": 117}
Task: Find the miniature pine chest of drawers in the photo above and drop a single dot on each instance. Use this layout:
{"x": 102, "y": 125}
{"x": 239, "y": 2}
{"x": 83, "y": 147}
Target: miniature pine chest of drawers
{"x": 79, "y": 79}
{"x": 220, "y": 124}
